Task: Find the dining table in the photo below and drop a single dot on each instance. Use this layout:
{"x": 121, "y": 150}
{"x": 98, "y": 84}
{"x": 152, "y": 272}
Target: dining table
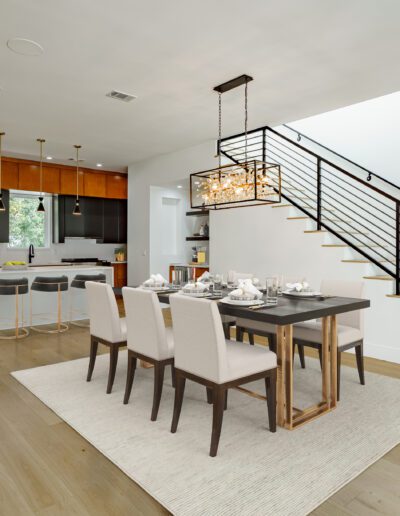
{"x": 287, "y": 312}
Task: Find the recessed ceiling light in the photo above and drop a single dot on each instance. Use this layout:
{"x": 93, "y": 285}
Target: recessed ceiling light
{"x": 179, "y": 186}
{"x": 99, "y": 164}
{"x": 25, "y": 47}
{"x": 49, "y": 158}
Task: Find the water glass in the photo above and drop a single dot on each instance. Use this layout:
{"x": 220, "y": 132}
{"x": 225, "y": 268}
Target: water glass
{"x": 280, "y": 284}
{"x": 218, "y": 281}
{"x": 271, "y": 286}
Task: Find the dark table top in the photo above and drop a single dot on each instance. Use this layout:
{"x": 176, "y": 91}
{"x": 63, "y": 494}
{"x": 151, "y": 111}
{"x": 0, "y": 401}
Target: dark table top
{"x": 288, "y": 310}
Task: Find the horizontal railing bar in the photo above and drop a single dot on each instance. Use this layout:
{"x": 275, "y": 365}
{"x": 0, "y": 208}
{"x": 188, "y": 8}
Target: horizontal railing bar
{"x": 343, "y": 157}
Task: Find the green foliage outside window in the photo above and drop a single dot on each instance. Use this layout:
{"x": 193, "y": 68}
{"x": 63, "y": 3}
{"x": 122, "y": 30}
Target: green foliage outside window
{"x": 27, "y": 226}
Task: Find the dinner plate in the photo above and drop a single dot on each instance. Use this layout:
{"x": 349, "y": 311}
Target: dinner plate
{"x": 193, "y": 294}
{"x": 156, "y": 289}
{"x": 300, "y": 294}
{"x": 244, "y": 302}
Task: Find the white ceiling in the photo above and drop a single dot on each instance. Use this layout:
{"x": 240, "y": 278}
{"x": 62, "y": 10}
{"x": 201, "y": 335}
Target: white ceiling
{"x": 306, "y": 56}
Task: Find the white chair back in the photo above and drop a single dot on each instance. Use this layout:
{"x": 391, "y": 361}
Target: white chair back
{"x": 103, "y": 312}
{"x": 355, "y": 289}
{"x": 145, "y": 323}
{"x": 200, "y": 346}
{"x": 234, "y": 277}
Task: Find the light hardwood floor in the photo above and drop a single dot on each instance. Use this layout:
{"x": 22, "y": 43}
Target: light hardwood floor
{"x": 46, "y": 468}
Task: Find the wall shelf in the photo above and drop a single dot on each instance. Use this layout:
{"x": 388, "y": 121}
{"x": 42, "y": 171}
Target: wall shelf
{"x": 199, "y": 213}
{"x": 197, "y": 238}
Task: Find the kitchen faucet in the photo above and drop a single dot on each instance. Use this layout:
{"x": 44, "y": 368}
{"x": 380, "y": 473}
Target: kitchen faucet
{"x": 31, "y": 253}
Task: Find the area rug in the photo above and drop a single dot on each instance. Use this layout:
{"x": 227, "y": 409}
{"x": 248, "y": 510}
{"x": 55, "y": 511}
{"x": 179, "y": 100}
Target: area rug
{"x": 256, "y": 472}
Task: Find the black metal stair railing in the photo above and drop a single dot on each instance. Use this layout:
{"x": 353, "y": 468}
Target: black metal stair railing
{"x": 358, "y": 212}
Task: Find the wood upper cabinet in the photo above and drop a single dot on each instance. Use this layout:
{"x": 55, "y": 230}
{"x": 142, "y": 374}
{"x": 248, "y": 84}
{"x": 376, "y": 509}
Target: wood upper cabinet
{"x": 68, "y": 182}
{"x": 9, "y": 175}
{"x": 116, "y": 186}
{"x": 29, "y": 178}
{"x": 94, "y": 184}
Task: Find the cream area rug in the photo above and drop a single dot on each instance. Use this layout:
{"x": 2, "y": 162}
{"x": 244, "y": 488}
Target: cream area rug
{"x": 256, "y": 472}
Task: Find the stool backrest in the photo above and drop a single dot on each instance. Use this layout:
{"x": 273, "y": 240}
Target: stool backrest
{"x": 355, "y": 289}
{"x": 103, "y": 312}
{"x": 200, "y": 346}
{"x": 145, "y": 323}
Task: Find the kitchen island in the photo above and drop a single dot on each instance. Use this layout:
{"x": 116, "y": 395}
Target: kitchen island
{"x": 44, "y": 302}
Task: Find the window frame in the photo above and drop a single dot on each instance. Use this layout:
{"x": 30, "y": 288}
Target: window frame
{"x": 48, "y": 217}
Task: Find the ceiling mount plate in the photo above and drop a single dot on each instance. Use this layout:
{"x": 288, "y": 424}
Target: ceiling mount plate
{"x": 233, "y": 83}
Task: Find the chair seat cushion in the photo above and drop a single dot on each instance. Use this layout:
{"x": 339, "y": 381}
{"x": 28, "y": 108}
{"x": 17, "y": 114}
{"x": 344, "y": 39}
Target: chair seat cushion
{"x": 255, "y": 325}
{"x": 227, "y": 319}
{"x": 244, "y": 360}
{"x": 312, "y": 332}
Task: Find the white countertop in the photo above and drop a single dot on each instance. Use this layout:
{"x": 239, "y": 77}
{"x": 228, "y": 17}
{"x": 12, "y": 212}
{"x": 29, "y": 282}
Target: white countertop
{"x": 54, "y": 268}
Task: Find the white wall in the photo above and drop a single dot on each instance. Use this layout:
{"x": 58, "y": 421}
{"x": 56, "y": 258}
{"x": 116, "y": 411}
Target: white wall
{"x": 157, "y": 171}
{"x": 367, "y": 133}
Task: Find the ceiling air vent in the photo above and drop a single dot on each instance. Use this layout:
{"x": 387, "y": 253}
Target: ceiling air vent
{"x": 119, "y": 95}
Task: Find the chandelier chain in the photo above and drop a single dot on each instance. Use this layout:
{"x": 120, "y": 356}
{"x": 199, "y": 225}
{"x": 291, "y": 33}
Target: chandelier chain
{"x": 245, "y": 121}
{"x": 219, "y": 127}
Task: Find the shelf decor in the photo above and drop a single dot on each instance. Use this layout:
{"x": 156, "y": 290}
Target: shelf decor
{"x": 247, "y": 183}
{"x": 2, "y": 206}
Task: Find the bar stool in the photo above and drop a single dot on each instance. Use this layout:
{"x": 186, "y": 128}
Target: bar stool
{"x": 79, "y": 282}
{"x": 48, "y": 284}
{"x": 15, "y": 287}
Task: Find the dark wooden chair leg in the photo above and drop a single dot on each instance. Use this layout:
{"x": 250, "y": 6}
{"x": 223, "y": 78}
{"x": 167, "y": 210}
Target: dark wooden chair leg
{"x": 130, "y": 375}
{"x": 339, "y": 358}
{"x": 300, "y": 350}
{"x": 218, "y": 413}
{"x": 360, "y": 362}
{"x": 158, "y": 385}
{"x": 173, "y": 375}
{"x": 209, "y": 395}
{"x": 251, "y": 337}
{"x": 93, "y": 353}
{"x": 239, "y": 334}
{"x": 179, "y": 392}
{"x": 114, "y": 348}
{"x": 270, "y": 392}
{"x": 226, "y": 400}
{"x": 227, "y": 330}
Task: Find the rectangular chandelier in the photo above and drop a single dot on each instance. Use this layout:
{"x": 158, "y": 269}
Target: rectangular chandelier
{"x": 251, "y": 183}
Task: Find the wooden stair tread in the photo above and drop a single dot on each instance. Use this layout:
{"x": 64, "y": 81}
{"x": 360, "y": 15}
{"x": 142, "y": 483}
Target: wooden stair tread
{"x": 381, "y": 278}
{"x": 366, "y": 261}
{"x": 393, "y": 295}
{"x": 334, "y": 245}
{"x": 297, "y": 218}
{"x": 315, "y": 231}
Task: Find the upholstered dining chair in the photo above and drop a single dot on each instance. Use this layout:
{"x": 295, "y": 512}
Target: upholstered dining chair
{"x": 148, "y": 340}
{"x": 106, "y": 327}
{"x": 350, "y": 328}
{"x": 203, "y": 355}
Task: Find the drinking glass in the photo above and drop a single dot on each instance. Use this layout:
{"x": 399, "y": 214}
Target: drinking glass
{"x": 218, "y": 281}
{"x": 271, "y": 286}
{"x": 280, "y": 284}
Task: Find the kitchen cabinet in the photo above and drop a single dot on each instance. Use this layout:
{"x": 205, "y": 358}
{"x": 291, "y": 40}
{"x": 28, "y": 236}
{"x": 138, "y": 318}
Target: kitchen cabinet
{"x": 4, "y": 218}
{"x": 116, "y": 186}
{"x": 68, "y": 181}
{"x": 29, "y": 178}
{"x": 94, "y": 184}
{"x": 115, "y": 221}
{"x": 9, "y": 175}
{"x": 93, "y": 217}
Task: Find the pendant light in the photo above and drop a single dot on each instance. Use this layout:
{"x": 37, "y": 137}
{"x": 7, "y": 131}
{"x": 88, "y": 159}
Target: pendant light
{"x": 246, "y": 182}
{"x": 77, "y": 210}
{"x": 2, "y": 207}
{"x": 40, "y": 207}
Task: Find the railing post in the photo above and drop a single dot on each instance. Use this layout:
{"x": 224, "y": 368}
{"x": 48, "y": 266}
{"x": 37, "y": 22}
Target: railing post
{"x": 318, "y": 194}
{"x": 397, "y": 248}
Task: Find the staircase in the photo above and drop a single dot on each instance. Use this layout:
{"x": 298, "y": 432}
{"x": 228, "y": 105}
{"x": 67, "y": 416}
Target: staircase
{"x": 357, "y": 210}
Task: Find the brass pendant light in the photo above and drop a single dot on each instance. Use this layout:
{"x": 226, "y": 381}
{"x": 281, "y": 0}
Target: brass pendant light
{"x": 77, "y": 210}
{"x": 2, "y": 207}
{"x": 40, "y": 207}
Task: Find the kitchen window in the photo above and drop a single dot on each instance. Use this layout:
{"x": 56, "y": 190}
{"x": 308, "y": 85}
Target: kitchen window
{"x": 27, "y": 225}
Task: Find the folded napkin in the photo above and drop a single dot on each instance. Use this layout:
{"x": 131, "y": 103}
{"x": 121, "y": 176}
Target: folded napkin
{"x": 155, "y": 279}
{"x": 246, "y": 287}
{"x": 196, "y": 286}
{"x": 205, "y": 276}
{"x": 298, "y": 287}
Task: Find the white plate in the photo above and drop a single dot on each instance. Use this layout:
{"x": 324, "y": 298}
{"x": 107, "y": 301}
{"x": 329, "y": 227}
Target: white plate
{"x": 294, "y": 293}
{"x": 157, "y": 289}
{"x": 199, "y": 294}
{"x": 246, "y": 302}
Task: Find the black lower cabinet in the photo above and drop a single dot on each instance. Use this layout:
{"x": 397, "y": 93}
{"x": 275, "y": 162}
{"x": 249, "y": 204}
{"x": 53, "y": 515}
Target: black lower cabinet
{"x": 101, "y": 219}
{"x": 5, "y": 218}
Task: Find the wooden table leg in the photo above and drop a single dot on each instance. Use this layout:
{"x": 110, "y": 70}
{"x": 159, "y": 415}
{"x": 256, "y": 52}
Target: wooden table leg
{"x": 280, "y": 392}
{"x": 325, "y": 359}
{"x": 333, "y": 346}
{"x": 289, "y": 376}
